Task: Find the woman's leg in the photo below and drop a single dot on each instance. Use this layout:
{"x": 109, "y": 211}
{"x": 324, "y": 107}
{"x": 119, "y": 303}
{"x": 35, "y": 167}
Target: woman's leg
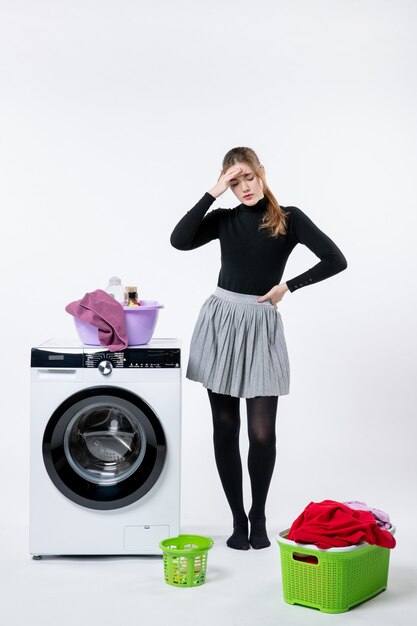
{"x": 226, "y": 427}
{"x": 261, "y": 460}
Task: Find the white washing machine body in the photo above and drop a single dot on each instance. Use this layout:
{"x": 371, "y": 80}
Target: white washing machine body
{"x": 104, "y": 448}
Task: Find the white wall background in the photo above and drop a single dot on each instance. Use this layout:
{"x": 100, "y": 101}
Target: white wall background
{"x": 115, "y": 116}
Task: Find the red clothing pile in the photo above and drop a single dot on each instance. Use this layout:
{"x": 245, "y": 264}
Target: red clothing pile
{"x": 331, "y": 524}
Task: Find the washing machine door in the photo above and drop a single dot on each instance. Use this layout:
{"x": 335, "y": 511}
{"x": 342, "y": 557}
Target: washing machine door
{"x": 104, "y": 448}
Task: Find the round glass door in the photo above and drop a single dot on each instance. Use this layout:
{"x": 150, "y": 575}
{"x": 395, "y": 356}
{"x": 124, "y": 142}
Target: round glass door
{"x": 104, "y": 443}
{"x": 104, "y": 448}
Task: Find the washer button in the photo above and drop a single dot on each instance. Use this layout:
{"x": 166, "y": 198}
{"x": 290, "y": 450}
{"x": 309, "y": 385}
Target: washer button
{"x": 105, "y": 368}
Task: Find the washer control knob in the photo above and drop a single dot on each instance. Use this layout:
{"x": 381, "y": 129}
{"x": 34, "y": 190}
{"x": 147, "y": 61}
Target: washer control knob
{"x": 105, "y": 368}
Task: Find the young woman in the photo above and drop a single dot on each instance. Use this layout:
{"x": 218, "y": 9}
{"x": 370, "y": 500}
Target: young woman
{"x": 238, "y": 347}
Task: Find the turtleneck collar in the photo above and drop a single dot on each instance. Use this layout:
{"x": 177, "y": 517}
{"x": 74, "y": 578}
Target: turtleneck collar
{"x": 259, "y": 207}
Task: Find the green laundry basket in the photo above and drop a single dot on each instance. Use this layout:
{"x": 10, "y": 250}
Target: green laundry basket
{"x": 332, "y": 580}
{"x": 185, "y": 559}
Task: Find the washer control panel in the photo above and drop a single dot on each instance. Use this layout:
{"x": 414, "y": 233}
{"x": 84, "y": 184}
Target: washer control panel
{"x": 104, "y": 360}
{"x": 138, "y": 358}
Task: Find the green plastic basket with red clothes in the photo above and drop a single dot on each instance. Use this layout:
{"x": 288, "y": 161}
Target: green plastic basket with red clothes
{"x": 335, "y": 555}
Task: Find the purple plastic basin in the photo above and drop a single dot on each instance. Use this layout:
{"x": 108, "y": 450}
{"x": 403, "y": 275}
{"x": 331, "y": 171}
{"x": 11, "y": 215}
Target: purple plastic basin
{"x": 140, "y": 324}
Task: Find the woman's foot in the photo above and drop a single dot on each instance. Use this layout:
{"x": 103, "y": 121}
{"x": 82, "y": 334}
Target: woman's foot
{"x": 239, "y": 539}
{"x": 258, "y": 538}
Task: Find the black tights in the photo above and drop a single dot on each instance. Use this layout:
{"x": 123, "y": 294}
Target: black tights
{"x": 261, "y": 413}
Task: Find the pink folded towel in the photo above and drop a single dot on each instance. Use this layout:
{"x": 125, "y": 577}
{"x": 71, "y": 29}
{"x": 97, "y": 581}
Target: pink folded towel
{"x": 101, "y": 310}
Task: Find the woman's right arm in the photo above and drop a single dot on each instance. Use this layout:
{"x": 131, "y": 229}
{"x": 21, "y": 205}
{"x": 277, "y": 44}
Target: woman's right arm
{"x": 195, "y": 228}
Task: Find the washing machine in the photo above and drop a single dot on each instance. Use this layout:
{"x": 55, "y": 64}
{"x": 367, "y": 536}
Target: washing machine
{"x": 104, "y": 448}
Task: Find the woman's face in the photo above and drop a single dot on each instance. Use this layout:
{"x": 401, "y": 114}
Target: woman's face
{"x": 246, "y": 186}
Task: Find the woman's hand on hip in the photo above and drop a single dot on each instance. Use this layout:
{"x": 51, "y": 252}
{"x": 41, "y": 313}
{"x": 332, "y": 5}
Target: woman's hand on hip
{"x": 275, "y": 294}
{"x": 224, "y": 180}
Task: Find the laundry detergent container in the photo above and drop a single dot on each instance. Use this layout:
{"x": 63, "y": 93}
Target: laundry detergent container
{"x": 140, "y": 324}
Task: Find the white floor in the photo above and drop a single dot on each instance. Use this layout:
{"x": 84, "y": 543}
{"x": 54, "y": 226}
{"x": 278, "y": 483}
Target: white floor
{"x": 242, "y": 588}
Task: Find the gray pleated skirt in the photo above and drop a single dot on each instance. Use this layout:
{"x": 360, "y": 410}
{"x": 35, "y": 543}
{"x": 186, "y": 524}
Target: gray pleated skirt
{"x": 238, "y": 347}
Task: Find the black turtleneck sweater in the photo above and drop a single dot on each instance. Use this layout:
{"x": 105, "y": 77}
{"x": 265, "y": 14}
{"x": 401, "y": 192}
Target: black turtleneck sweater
{"x": 251, "y": 261}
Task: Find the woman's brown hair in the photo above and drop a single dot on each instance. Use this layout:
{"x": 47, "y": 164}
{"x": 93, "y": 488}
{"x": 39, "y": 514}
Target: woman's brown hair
{"x": 274, "y": 216}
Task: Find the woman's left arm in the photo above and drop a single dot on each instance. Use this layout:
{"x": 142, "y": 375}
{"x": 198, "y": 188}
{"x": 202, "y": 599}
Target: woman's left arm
{"x": 332, "y": 260}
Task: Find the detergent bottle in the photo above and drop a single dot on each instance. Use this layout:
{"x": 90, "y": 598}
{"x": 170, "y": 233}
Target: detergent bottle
{"x": 115, "y": 289}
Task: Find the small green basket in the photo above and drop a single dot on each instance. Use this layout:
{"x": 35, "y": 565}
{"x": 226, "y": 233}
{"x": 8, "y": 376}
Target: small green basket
{"x": 332, "y": 580}
{"x": 185, "y": 559}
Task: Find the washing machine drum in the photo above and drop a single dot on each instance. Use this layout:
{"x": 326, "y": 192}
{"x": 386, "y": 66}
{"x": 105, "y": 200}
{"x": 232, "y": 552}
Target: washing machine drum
{"x": 104, "y": 448}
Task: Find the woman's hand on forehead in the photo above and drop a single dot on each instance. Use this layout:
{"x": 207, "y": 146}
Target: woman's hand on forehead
{"x": 237, "y": 171}
{"x": 224, "y": 180}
